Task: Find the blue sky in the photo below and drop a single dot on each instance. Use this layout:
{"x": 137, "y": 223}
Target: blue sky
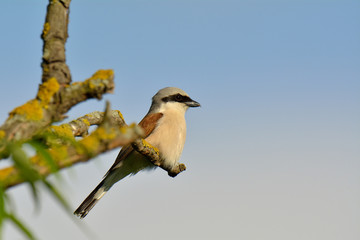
{"x": 273, "y": 153}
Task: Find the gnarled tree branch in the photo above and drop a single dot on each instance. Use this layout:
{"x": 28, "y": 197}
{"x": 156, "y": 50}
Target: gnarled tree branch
{"x": 50, "y": 104}
{"x": 110, "y": 134}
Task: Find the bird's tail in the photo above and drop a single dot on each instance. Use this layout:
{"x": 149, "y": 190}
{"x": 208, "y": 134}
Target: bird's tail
{"x": 91, "y": 200}
{"x": 130, "y": 165}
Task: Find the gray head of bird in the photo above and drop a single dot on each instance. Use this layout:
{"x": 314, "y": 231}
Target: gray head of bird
{"x": 172, "y": 98}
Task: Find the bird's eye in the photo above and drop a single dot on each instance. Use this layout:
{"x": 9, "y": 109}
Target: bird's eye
{"x": 178, "y": 97}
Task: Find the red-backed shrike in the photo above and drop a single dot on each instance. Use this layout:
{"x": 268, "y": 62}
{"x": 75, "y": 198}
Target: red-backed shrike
{"x": 165, "y": 128}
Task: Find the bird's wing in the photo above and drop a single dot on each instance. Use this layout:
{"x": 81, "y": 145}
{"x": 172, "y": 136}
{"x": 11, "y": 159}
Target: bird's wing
{"x": 148, "y": 124}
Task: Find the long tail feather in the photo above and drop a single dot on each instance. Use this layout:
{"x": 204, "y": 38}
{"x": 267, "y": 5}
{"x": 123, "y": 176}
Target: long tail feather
{"x": 131, "y": 165}
{"x": 91, "y": 200}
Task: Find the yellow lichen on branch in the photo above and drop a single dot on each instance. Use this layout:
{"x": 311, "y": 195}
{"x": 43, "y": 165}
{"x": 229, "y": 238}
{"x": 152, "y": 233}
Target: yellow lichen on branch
{"x": 102, "y": 74}
{"x": 59, "y": 153}
{"x": 84, "y": 120}
{"x": 89, "y": 144}
{"x": 147, "y": 145}
{"x": 47, "y": 90}
{"x": 46, "y": 29}
{"x": 120, "y": 114}
{"x": 8, "y": 176}
{"x": 148, "y": 150}
{"x": 92, "y": 142}
{"x": 99, "y": 75}
{"x": 2, "y": 134}
{"x": 63, "y": 131}
{"x": 32, "y": 110}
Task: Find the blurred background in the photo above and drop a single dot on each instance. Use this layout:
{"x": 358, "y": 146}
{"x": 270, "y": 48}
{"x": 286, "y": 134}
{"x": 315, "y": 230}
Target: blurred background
{"x": 273, "y": 153}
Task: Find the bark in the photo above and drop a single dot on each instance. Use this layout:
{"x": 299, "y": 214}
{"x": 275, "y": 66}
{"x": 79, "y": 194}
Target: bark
{"x": 54, "y": 35}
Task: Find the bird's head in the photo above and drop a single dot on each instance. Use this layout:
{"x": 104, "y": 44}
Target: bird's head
{"x": 172, "y": 98}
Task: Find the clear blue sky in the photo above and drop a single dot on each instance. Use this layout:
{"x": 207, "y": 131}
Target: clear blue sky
{"x": 272, "y": 154}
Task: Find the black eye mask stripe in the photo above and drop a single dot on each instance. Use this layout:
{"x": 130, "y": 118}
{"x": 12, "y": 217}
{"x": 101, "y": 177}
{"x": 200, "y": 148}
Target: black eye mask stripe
{"x": 176, "y": 98}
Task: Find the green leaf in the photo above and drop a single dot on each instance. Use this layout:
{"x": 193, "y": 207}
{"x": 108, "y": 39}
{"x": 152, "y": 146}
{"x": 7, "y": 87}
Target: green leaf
{"x": 22, "y": 163}
{"x": 21, "y": 226}
{"x": 41, "y": 149}
{"x": 58, "y": 196}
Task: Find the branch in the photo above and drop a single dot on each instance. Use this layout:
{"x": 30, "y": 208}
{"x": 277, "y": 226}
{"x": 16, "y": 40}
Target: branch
{"x": 54, "y": 35}
{"x": 152, "y": 153}
{"x": 109, "y": 135}
{"x": 50, "y": 104}
{"x": 80, "y": 126}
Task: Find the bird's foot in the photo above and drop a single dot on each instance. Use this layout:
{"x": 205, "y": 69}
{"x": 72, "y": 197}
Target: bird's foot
{"x": 178, "y": 168}
{"x": 156, "y": 162}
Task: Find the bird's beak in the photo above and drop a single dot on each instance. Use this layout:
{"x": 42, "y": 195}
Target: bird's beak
{"x": 192, "y": 103}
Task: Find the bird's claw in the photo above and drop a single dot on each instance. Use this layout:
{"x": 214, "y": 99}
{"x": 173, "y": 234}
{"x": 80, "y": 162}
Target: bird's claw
{"x": 156, "y": 163}
{"x": 177, "y": 169}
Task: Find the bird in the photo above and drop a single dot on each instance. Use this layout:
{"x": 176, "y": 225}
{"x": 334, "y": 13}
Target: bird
{"x": 164, "y": 128}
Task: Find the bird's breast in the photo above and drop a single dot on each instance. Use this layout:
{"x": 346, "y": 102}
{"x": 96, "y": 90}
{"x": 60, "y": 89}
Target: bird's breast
{"x": 169, "y": 137}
